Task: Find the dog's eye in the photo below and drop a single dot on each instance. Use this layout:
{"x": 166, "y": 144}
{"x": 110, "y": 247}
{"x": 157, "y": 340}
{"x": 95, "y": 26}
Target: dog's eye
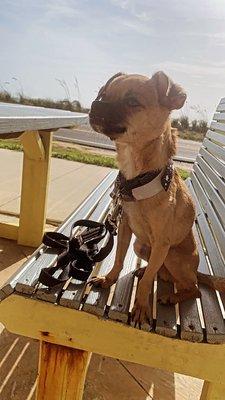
{"x": 132, "y": 102}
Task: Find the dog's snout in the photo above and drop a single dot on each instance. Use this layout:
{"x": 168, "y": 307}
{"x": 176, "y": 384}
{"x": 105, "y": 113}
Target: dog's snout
{"x": 100, "y": 109}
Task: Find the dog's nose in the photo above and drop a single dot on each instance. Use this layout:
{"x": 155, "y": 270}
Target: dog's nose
{"x": 100, "y": 109}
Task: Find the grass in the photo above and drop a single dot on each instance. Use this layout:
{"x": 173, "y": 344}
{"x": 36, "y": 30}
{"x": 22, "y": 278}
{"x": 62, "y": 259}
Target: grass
{"x": 74, "y": 154}
{"x": 191, "y": 135}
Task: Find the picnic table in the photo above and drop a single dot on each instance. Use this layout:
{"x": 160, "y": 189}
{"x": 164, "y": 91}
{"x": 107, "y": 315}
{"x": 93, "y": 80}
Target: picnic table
{"x": 34, "y": 127}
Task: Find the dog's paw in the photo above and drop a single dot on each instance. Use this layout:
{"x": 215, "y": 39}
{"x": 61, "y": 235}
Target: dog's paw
{"x": 101, "y": 281}
{"x": 141, "y": 314}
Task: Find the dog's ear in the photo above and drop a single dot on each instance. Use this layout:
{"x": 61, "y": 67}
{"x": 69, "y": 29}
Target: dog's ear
{"x": 170, "y": 94}
{"x": 103, "y": 88}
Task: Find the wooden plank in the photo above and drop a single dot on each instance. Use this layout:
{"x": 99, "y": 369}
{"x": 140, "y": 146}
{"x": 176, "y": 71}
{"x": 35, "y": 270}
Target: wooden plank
{"x": 74, "y": 292}
{"x": 213, "y": 253}
{"x": 214, "y": 323}
{"x": 213, "y": 162}
{"x": 190, "y": 324}
{"x": 218, "y": 126}
{"x": 219, "y": 116}
{"x": 166, "y": 320}
{"x": 216, "y": 137}
{"x": 215, "y": 224}
{"x": 45, "y": 321}
{"x": 9, "y": 230}
{"x": 215, "y": 179}
{"x": 119, "y": 308}
{"x": 96, "y": 300}
{"x": 221, "y": 107}
{"x": 213, "y": 148}
{"x": 62, "y": 372}
{"x": 211, "y": 193}
{"x": 83, "y": 212}
{"x": 34, "y": 192}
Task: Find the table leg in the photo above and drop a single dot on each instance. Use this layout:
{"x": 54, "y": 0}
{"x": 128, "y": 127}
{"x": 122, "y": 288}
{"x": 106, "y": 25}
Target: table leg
{"x": 36, "y": 163}
{"x": 62, "y": 372}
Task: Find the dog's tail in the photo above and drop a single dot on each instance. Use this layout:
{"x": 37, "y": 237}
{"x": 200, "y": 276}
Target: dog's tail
{"x": 214, "y": 282}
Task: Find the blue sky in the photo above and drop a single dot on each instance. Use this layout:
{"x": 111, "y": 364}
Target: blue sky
{"x": 93, "y": 39}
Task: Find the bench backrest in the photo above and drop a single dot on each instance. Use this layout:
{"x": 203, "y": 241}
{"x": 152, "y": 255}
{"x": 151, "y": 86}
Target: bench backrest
{"x": 208, "y": 177}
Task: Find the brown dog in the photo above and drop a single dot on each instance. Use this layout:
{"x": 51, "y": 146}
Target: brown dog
{"x": 134, "y": 111}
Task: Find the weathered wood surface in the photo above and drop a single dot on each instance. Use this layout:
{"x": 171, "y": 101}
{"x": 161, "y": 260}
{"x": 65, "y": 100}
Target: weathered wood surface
{"x": 62, "y": 372}
{"x": 17, "y": 118}
{"x": 76, "y": 291}
{"x": 26, "y": 277}
{"x": 120, "y": 304}
{"x": 96, "y": 300}
{"x": 166, "y": 319}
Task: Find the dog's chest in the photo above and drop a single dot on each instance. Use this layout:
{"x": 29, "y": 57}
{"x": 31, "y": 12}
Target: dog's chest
{"x": 139, "y": 223}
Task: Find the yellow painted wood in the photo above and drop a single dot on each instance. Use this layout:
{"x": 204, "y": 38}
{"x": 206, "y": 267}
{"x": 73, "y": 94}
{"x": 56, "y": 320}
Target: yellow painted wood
{"x": 213, "y": 391}
{"x": 36, "y": 164}
{"x": 62, "y": 372}
{"x": 9, "y": 230}
{"x": 33, "y": 146}
{"x": 77, "y": 329}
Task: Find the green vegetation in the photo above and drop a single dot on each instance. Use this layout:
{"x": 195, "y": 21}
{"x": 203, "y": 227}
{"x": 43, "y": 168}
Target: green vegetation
{"x": 190, "y": 130}
{"x": 74, "y": 154}
{"x": 75, "y": 105}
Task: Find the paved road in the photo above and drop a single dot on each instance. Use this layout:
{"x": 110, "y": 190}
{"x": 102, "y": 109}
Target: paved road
{"x": 186, "y": 148}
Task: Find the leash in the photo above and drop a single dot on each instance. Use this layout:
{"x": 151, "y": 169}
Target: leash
{"x": 79, "y": 252}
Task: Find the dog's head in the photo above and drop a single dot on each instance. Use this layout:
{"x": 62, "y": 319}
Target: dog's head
{"x": 129, "y": 107}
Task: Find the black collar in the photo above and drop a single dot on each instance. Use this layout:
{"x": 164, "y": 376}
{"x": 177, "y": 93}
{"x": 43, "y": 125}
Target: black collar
{"x": 123, "y": 187}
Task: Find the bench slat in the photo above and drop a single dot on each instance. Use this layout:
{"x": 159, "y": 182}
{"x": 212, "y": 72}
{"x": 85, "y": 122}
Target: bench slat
{"x": 43, "y": 293}
{"x": 213, "y": 162}
{"x": 190, "y": 324}
{"x": 213, "y": 253}
{"x": 119, "y": 308}
{"x": 215, "y": 224}
{"x": 213, "y": 148}
{"x": 211, "y": 193}
{"x": 215, "y": 136}
{"x": 214, "y": 323}
{"x": 219, "y": 116}
{"x": 218, "y": 126}
{"x": 221, "y": 107}
{"x": 166, "y": 320}
{"x": 212, "y": 175}
{"x": 20, "y": 282}
{"x": 96, "y": 300}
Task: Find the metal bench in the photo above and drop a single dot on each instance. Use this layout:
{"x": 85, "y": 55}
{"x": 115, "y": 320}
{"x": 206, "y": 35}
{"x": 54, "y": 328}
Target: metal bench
{"x": 74, "y": 321}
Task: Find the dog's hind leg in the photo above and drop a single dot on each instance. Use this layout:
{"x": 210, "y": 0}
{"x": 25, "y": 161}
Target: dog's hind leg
{"x": 182, "y": 263}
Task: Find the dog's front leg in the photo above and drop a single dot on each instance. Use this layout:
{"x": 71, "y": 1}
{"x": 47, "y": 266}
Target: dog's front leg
{"x": 141, "y": 310}
{"x": 123, "y": 241}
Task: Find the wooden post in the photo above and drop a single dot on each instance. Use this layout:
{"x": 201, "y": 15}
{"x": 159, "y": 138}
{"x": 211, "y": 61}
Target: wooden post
{"x": 62, "y": 372}
{"x": 37, "y": 154}
{"x": 212, "y": 391}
